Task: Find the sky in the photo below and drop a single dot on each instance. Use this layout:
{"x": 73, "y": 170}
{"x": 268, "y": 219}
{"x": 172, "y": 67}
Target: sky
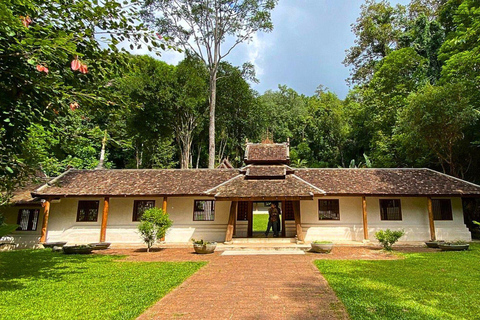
{"x": 305, "y": 49}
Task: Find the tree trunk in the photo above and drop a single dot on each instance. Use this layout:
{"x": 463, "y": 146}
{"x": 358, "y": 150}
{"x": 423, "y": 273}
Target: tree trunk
{"x": 211, "y": 127}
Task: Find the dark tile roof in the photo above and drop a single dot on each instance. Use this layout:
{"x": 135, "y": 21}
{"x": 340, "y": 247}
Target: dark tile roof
{"x": 239, "y": 186}
{"x": 136, "y": 182}
{"x": 387, "y": 182}
{"x": 267, "y": 153}
{"x": 266, "y": 172}
{"x": 228, "y": 183}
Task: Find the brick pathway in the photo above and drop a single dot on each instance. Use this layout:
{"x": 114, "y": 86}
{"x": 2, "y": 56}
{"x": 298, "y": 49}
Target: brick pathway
{"x": 251, "y": 287}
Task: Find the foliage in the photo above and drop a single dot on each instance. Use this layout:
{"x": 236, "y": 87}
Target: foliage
{"x": 202, "y": 242}
{"x": 202, "y": 27}
{"x": 260, "y": 222}
{"x": 56, "y": 56}
{"x": 321, "y": 242}
{"x": 83, "y": 286}
{"x": 153, "y": 225}
{"x": 6, "y": 229}
{"x": 429, "y": 286}
{"x": 388, "y": 237}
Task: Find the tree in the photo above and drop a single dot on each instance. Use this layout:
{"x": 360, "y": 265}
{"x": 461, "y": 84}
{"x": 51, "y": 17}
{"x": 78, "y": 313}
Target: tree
{"x": 377, "y": 30}
{"x": 55, "y": 56}
{"x": 153, "y": 226}
{"x": 201, "y": 27}
{"x": 436, "y": 118}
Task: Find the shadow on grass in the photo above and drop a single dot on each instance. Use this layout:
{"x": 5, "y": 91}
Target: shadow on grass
{"x": 17, "y": 266}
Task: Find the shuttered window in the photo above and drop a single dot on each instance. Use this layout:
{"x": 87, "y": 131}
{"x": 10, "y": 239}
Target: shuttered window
{"x": 328, "y": 209}
{"x": 27, "y": 219}
{"x": 242, "y": 214}
{"x": 442, "y": 209}
{"x": 204, "y": 210}
{"x": 390, "y": 209}
{"x": 288, "y": 208}
{"x": 140, "y": 206}
{"x": 87, "y": 211}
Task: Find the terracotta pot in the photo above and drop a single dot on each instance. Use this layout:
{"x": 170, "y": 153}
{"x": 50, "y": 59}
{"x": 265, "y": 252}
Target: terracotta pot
{"x": 204, "y": 248}
{"x": 322, "y": 247}
{"x": 453, "y": 247}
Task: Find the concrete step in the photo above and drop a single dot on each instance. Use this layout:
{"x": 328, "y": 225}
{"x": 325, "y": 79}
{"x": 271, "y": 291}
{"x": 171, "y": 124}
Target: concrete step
{"x": 260, "y": 247}
{"x": 252, "y": 253}
{"x": 263, "y": 240}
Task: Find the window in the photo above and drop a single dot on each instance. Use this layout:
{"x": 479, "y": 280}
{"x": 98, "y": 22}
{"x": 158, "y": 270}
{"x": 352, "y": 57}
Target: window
{"x": 390, "y": 209}
{"x": 442, "y": 209}
{"x": 27, "y": 219}
{"x": 328, "y": 210}
{"x": 288, "y": 214}
{"x": 140, "y": 206}
{"x": 204, "y": 210}
{"x": 87, "y": 211}
{"x": 242, "y": 214}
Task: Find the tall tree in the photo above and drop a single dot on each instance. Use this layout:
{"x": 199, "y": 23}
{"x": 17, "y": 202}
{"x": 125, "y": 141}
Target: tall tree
{"x": 52, "y": 57}
{"x": 202, "y": 27}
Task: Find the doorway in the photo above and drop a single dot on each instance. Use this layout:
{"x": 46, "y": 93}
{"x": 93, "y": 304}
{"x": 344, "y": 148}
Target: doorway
{"x": 260, "y": 219}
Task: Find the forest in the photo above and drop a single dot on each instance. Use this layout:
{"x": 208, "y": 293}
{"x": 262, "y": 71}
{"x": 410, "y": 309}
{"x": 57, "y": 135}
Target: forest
{"x": 413, "y": 101}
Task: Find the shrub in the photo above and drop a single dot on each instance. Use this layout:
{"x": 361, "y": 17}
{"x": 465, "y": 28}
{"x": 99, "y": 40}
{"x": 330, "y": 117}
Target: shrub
{"x": 321, "y": 242}
{"x": 154, "y": 223}
{"x": 388, "y": 237}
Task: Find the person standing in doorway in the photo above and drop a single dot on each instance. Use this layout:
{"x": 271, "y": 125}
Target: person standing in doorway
{"x": 273, "y": 220}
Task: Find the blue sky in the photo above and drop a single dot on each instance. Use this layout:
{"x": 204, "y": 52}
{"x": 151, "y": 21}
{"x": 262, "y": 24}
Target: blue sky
{"x": 305, "y": 49}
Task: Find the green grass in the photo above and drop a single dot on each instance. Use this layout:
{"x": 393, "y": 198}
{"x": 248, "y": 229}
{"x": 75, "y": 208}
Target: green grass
{"x": 260, "y": 222}
{"x": 45, "y": 285}
{"x": 437, "y": 285}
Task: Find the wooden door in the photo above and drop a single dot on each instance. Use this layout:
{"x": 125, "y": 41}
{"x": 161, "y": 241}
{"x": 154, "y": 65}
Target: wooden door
{"x": 250, "y": 219}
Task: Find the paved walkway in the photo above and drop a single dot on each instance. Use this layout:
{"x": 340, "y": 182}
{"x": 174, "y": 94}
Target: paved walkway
{"x": 251, "y": 287}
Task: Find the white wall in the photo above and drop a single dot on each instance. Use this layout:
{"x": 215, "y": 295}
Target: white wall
{"x": 23, "y": 239}
{"x": 350, "y": 226}
{"x": 62, "y": 224}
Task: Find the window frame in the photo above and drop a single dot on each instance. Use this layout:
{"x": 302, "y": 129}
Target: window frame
{"x": 195, "y": 217}
{"x": 30, "y": 222}
{"x": 450, "y": 217}
{"x": 97, "y": 202}
{"x": 135, "y": 217}
{"x": 336, "y": 205}
{"x": 381, "y": 209}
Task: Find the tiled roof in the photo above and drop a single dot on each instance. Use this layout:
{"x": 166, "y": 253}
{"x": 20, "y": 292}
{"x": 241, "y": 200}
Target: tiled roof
{"x": 266, "y": 172}
{"x": 259, "y": 189}
{"x": 228, "y": 183}
{"x": 267, "y": 153}
{"x": 136, "y": 182}
{"x": 387, "y": 182}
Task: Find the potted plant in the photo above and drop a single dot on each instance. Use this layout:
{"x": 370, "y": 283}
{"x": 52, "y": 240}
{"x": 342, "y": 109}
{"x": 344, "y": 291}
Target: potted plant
{"x": 454, "y": 246}
{"x": 322, "y": 246}
{"x": 203, "y": 247}
{"x": 434, "y": 243}
{"x": 78, "y": 249}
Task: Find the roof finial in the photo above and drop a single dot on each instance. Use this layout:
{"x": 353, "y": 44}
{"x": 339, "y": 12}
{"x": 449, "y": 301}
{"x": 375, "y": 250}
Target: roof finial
{"x": 267, "y": 139}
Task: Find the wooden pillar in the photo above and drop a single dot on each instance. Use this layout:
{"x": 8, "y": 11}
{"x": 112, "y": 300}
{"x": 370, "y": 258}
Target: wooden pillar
{"x": 46, "y": 213}
{"x": 283, "y": 219}
{"x": 231, "y": 221}
{"x": 430, "y": 219}
{"x": 250, "y": 219}
{"x": 103, "y": 230}
{"x": 164, "y": 208}
{"x": 298, "y": 225}
{"x": 365, "y": 221}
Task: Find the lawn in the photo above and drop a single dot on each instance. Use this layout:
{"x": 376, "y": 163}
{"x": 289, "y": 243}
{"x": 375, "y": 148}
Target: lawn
{"x": 437, "y": 285}
{"x": 45, "y": 285}
{"x": 260, "y": 222}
